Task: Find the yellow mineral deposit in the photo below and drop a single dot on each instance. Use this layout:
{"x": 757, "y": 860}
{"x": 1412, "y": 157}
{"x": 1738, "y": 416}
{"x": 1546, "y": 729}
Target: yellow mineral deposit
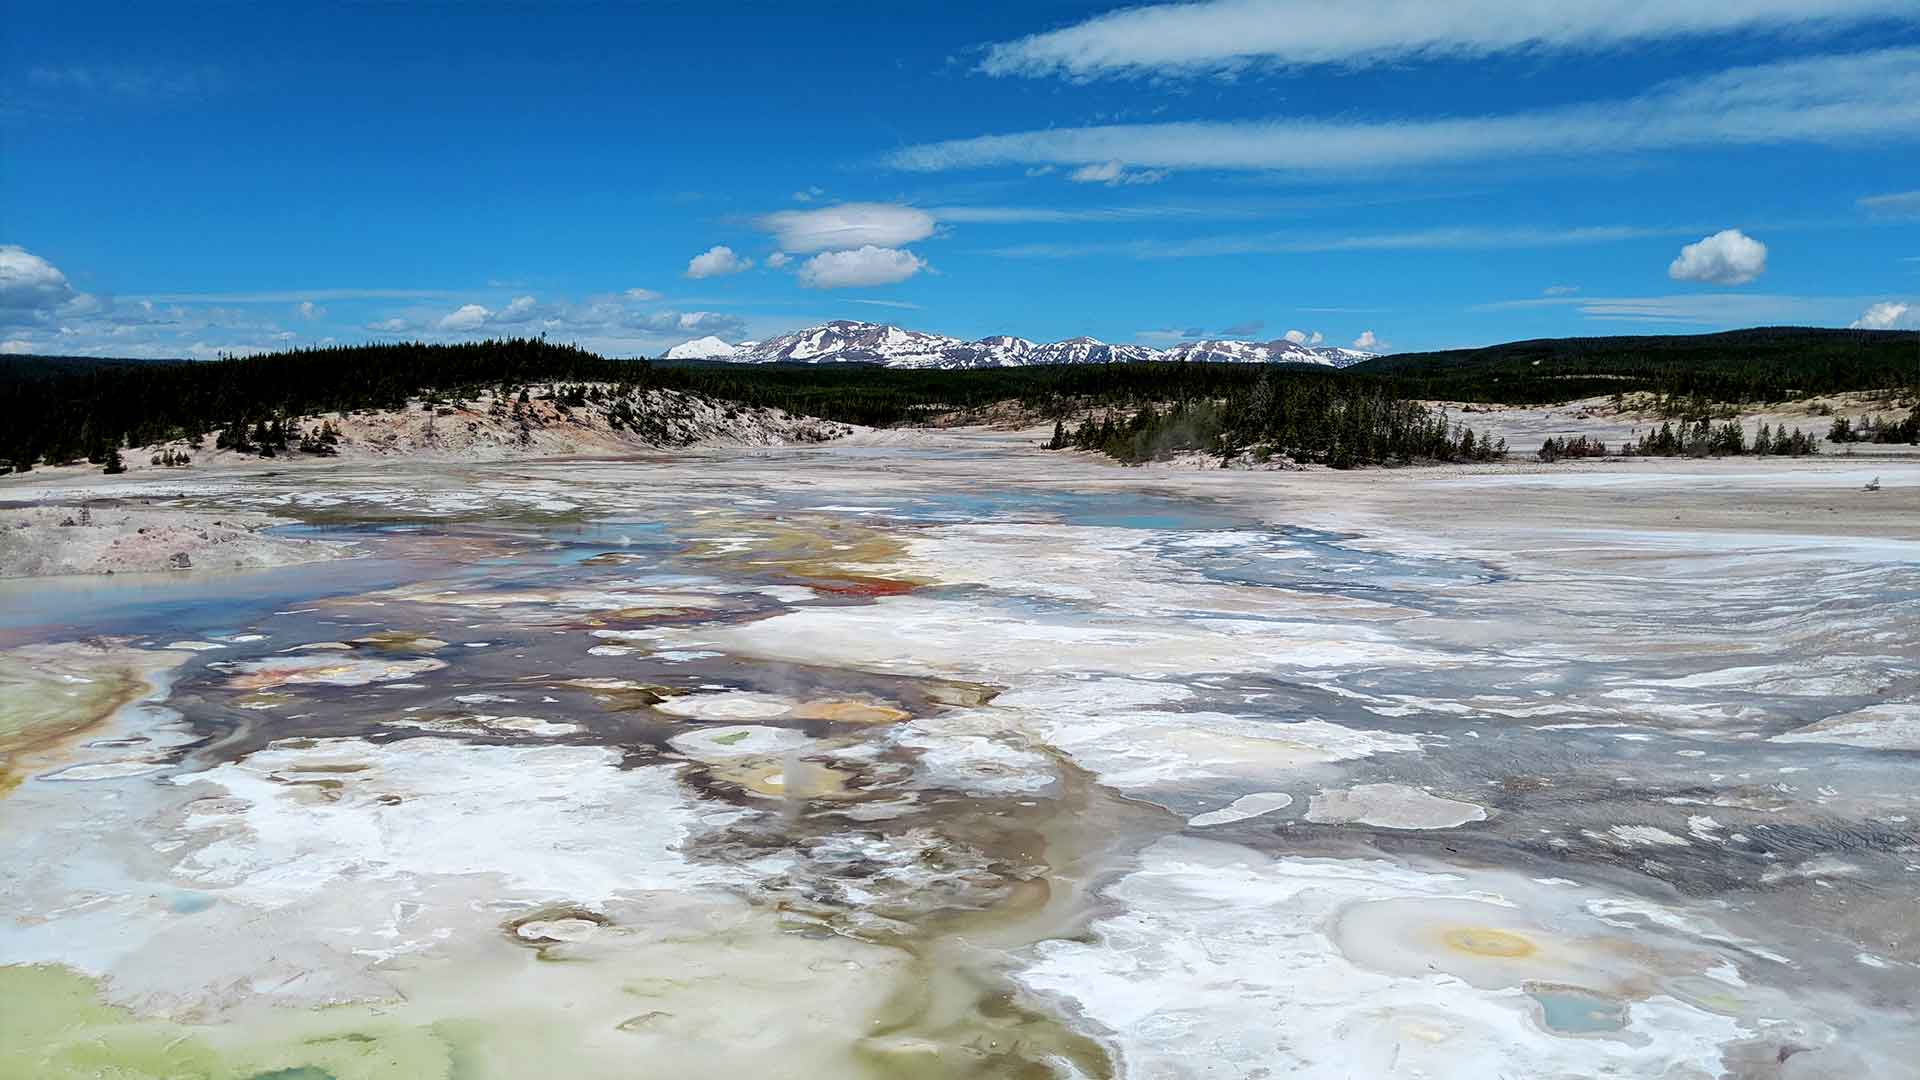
{"x": 849, "y": 712}
{"x": 52, "y": 696}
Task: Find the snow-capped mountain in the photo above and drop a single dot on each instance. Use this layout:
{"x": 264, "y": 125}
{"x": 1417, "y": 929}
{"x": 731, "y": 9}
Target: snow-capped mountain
{"x": 1086, "y": 350}
{"x": 706, "y": 348}
{"x": 848, "y": 342}
{"x": 1281, "y": 351}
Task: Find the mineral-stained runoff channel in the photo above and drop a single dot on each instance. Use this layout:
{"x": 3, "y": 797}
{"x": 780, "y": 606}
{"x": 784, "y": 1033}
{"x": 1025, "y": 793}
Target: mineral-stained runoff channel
{"x": 889, "y": 761}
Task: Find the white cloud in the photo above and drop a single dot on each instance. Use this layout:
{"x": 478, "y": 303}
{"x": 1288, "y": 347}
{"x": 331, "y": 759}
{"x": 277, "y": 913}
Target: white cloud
{"x": 705, "y": 322}
{"x": 1885, "y": 315}
{"x": 31, "y": 288}
{"x": 866, "y": 265}
{"x": 1366, "y": 340}
{"x": 673, "y": 327}
{"x": 1560, "y": 290}
{"x": 609, "y": 321}
{"x": 808, "y": 194}
{"x": 715, "y": 261}
{"x": 465, "y": 317}
{"x": 1301, "y": 337}
{"x": 1222, "y": 35}
{"x": 612, "y": 324}
{"x": 1820, "y": 99}
{"x": 1895, "y": 204}
{"x": 307, "y": 309}
{"x": 521, "y": 309}
{"x": 1113, "y": 174}
{"x": 1728, "y": 257}
{"x": 641, "y": 295}
{"x": 16, "y": 346}
{"x": 779, "y": 259}
{"x": 848, "y": 226}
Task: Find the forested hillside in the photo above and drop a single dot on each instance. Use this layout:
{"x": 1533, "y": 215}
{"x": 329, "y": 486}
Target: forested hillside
{"x": 60, "y": 410}
{"x": 63, "y": 409}
{"x": 1762, "y": 364}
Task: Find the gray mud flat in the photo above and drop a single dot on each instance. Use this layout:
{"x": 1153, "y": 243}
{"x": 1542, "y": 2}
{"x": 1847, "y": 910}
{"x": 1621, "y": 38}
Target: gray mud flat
{"x": 890, "y": 760}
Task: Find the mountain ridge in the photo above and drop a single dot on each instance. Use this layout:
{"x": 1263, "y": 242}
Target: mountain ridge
{"x": 847, "y": 341}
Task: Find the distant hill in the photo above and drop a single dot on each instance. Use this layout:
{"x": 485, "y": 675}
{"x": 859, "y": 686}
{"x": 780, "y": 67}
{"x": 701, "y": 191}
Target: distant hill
{"x": 1762, "y": 364}
{"x": 31, "y": 365}
{"x": 60, "y": 408}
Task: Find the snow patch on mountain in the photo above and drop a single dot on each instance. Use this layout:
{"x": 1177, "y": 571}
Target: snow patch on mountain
{"x": 704, "y": 348}
{"x": 848, "y": 342}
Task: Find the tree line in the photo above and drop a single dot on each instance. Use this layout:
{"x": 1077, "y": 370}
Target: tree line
{"x": 67, "y": 409}
{"x": 60, "y": 411}
{"x": 1306, "y": 421}
{"x": 1764, "y": 364}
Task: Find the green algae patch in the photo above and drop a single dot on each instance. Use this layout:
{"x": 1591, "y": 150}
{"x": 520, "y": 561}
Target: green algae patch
{"x": 54, "y": 1026}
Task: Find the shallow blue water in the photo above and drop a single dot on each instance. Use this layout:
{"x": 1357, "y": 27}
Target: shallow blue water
{"x": 187, "y": 602}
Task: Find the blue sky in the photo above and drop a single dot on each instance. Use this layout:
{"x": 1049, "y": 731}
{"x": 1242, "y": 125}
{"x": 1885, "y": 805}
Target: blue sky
{"x": 182, "y": 181}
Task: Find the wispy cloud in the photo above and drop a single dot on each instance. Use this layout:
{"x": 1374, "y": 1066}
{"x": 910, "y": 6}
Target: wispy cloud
{"x": 173, "y": 82}
{"x": 1705, "y": 309}
{"x": 1114, "y": 174}
{"x": 1897, "y": 204}
{"x": 902, "y": 304}
{"x": 1169, "y": 335}
{"x": 1821, "y": 100}
{"x": 847, "y": 226}
{"x": 1058, "y": 215}
{"x": 295, "y": 296}
{"x": 1454, "y": 238}
{"x": 1223, "y": 35}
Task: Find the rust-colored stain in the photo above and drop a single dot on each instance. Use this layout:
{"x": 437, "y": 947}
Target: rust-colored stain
{"x": 864, "y": 587}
